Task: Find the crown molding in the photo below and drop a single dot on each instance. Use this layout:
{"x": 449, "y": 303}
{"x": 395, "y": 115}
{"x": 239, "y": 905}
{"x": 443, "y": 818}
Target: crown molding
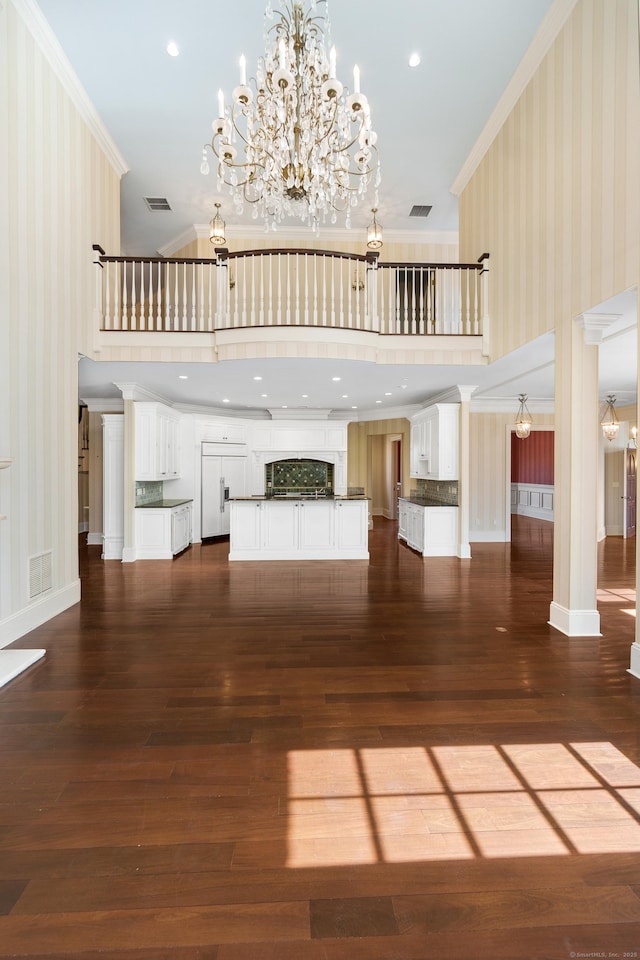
{"x": 386, "y": 413}
{"x": 104, "y": 405}
{"x": 44, "y": 36}
{"x": 556, "y": 17}
{"x": 297, "y": 236}
{"x": 133, "y": 391}
{"x": 542, "y": 405}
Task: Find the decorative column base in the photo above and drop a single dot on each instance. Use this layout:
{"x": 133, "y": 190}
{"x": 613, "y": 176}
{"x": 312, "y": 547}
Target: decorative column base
{"x": 574, "y": 623}
{"x": 464, "y": 551}
{"x": 129, "y": 554}
{"x": 634, "y": 665}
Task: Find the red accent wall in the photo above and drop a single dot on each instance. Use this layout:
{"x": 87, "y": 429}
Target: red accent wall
{"x": 532, "y": 459}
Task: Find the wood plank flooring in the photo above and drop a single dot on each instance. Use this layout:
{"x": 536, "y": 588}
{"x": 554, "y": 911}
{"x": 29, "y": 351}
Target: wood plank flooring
{"x": 393, "y": 760}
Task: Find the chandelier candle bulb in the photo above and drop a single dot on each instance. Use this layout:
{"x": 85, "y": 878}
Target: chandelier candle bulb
{"x": 332, "y": 63}
{"x": 356, "y": 79}
{"x": 243, "y": 71}
{"x": 220, "y": 104}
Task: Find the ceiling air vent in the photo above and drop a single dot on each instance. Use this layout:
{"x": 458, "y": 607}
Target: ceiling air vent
{"x": 420, "y": 210}
{"x": 157, "y": 203}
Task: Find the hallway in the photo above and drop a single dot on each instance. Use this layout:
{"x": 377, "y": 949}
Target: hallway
{"x": 390, "y": 760}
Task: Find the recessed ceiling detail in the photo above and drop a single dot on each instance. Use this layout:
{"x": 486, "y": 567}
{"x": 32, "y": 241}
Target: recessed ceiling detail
{"x": 157, "y": 203}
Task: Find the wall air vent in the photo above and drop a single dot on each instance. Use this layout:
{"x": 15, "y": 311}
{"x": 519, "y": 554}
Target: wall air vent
{"x": 157, "y": 203}
{"x": 40, "y": 574}
{"x": 420, "y": 210}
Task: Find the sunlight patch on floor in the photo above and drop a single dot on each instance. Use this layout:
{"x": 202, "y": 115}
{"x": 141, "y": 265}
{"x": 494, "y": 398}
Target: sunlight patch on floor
{"x": 372, "y": 805}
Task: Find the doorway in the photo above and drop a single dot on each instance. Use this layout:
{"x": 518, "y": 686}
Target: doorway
{"x": 629, "y": 494}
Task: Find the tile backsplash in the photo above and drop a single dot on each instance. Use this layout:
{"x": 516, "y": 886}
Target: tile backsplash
{"x": 444, "y": 491}
{"x": 148, "y": 491}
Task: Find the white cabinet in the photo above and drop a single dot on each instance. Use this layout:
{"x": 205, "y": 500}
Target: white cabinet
{"x": 221, "y": 431}
{"x": 157, "y": 445}
{"x": 180, "y": 528}
{"x": 282, "y": 529}
{"x": 432, "y": 531}
{"x": 162, "y": 532}
{"x": 434, "y": 442}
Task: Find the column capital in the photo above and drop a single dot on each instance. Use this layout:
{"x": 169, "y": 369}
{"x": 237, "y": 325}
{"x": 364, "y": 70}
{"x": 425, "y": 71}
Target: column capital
{"x": 595, "y": 324}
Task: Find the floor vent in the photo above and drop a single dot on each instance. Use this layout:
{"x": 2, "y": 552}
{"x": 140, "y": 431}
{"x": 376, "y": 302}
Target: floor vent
{"x": 40, "y": 574}
{"x": 420, "y": 210}
{"x": 157, "y": 203}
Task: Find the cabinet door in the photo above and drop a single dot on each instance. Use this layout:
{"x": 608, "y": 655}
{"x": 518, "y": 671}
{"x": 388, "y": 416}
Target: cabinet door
{"x": 352, "y": 525}
{"x": 246, "y": 525}
{"x": 316, "y": 521}
{"x": 402, "y": 520}
{"x": 280, "y": 530}
{"x": 146, "y": 442}
{"x": 179, "y": 529}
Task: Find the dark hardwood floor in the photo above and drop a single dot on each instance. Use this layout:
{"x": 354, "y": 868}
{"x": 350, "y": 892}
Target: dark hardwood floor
{"x": 394, "y": 760}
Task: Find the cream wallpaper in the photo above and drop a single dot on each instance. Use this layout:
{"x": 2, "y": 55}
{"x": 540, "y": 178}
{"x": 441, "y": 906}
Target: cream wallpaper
{"x": 556, "y": 198}
{"x": 61, "y": 195}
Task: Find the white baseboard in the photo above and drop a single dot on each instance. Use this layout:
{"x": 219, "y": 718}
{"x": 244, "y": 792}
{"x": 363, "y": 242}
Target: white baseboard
{"x": 37, "y": 613}
{"x": 112, "y": 548}
{"x": 128, "y": 555}
{"x": 574, "y": 623}
{"x": 488, "y": 536}
{"x": 14, "y": 662}
{"x": 634, "y": 665}
{"x": 614, "y": 530}
{"x": 464, "y": 551}
{"x": 95, "y": 539}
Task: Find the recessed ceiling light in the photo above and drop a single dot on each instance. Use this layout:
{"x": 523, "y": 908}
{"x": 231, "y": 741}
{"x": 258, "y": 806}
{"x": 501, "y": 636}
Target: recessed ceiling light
{"x": 173, "y": 49}
{"x": 305, "y": 396}
{"x": 226, "y": 400}
{"x": 354, "y": 408}
{"x": 257, "y": 378}
{"x": 388, "y": 394}
{"x": 378, "y": 401}
{"x": 182, "y": 376}
{"x": 403, "y": 386}
{"x": 284, "y": 406}
{"x": 414, "y": 59}
{"x": 335, "y": 379}
{"x": 345, "y": 396}
{"x": 264, "y": 394}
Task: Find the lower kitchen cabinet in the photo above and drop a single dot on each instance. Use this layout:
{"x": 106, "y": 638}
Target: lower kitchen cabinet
{"x": 432, "y": 531}
{"x": 304, "y": 529}
{"x": 162, "y": 532}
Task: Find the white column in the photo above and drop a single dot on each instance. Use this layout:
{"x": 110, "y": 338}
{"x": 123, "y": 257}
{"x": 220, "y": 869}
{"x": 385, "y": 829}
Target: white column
{"x": 464, "y": 476}
{"x": 128, "y": 477}
{"x": 112, "y": 458}
{"x": 573, "y": 609}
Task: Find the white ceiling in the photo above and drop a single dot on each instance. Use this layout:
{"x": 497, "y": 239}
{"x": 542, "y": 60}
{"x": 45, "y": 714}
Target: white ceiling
{"x": 158, "y": 110}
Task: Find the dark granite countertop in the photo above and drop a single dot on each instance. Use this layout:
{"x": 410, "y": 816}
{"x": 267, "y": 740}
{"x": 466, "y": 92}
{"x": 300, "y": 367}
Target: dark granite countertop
{"x": 163, "y": 504}
{"x": 427, "y": 502}
{"x": 306, "y": 499}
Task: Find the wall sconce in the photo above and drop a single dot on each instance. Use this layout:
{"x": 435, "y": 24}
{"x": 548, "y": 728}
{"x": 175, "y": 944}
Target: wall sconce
{"x": 374, "y": 232}
{"x": 523, "y": 419}
{"x": 633, "y": 440}
{"x": 609, "y": 422}
{"x": 217, "y": 227}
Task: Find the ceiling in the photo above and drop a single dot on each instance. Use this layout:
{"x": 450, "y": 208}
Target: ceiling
{"x": 158, "y": 111}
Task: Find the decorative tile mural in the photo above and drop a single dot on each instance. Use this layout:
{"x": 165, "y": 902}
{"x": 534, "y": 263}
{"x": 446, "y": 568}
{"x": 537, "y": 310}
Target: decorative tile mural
{"x": 298, "y": 476}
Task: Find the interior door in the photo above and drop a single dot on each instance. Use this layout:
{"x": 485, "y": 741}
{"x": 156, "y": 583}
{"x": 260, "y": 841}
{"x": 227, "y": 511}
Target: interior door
{"x": 630, "y": 494}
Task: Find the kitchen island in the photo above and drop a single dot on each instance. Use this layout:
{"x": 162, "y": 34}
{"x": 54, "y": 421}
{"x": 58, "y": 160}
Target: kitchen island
{"x": 299, "y": 528}
{"x": 428, "y": 526}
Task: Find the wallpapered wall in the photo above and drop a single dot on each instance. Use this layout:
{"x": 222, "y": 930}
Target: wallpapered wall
{"x": 532, "y": 459}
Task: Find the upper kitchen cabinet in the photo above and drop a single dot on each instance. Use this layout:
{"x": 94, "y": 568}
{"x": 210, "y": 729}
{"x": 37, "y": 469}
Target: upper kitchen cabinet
{"x": 157, "y": 446}
{"x": 434, "y": 442}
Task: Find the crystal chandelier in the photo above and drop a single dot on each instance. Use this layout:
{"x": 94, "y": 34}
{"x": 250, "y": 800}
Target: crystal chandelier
{"x": 294, "y": 141}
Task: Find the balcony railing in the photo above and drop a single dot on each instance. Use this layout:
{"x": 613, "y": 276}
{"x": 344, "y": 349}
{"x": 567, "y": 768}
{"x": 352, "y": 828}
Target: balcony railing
{"x": 308, "y": 288}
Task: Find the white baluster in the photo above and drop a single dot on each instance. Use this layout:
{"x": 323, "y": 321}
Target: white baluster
{"x": 314, "y": 261}
{"x": 325, "y": 306}
{"x": 333, "y": 290}
{"x": 288, "y": 256}
{"x": 430, "y": 290}
{"x": 279, "y": 304}
{"x": 199, "y": 268}
{"x": 356, "y": 274}
{"x": 209, "y": 325}
{"x": 340, "y": 265}
{"x": 270, "y": 279}
{"x": 261, "y": 311}
{"x": 476, "y": 283}
{"x": 107, "y": 273}
{"x": 125, "y": 298}
{"x": 305, "y": 260}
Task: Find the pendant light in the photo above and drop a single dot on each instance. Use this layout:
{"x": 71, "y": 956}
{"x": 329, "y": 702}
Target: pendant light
{"x": 523, "y": 419}
{"x": 217, "y": 227}
{"x": 609, "y": 422}
{"x": 374, "y": 232}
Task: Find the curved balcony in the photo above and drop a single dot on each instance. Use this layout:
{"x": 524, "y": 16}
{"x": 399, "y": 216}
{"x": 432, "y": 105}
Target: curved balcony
{"x": 332, "y": 302}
